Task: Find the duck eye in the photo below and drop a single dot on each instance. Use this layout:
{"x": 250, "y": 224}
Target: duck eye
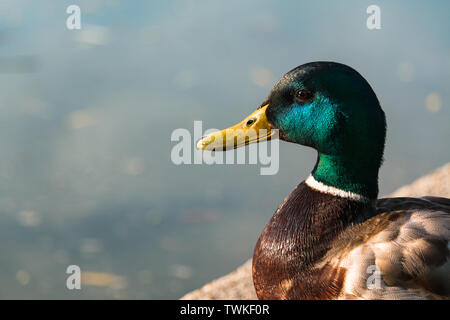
{"x": 250, "y": 122}
{"x": 302, "y": 95}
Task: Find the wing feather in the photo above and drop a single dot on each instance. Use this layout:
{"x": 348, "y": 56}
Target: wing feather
{"x": 401, "y": 253}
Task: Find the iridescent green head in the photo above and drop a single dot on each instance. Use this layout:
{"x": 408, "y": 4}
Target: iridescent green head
{"x": 327, "y": 106}
{"x": 330, "y": 107}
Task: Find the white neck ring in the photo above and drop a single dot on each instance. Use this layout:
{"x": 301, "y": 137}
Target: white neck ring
{"x": 321, "y": 187}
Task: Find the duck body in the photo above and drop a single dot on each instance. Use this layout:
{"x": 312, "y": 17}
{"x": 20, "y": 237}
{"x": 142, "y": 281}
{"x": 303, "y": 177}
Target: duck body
{"x": 290, "y": 248}
{"x": 321, "y": 246}
{"x": 331, "y": 238}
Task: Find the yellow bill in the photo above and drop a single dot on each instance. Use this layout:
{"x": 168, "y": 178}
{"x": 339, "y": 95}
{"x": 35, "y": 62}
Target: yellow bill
{"x": 253, "y": 129}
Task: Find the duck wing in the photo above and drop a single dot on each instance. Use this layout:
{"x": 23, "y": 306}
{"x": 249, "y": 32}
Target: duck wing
{"x": 400, "y": 253}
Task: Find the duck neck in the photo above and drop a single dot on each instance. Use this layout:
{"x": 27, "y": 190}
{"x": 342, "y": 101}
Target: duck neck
{"x": 347, "y": 174}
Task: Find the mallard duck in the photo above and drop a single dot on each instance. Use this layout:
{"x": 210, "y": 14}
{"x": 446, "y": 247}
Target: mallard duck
{"x": 331, "y": 238}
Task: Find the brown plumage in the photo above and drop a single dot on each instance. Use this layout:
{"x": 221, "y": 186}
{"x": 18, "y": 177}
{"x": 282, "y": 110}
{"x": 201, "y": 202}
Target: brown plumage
{"x": 319, "y": 246}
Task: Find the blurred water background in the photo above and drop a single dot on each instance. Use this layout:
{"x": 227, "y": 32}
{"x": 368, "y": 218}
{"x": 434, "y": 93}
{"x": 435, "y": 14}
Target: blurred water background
{"x": 86, "y": 117}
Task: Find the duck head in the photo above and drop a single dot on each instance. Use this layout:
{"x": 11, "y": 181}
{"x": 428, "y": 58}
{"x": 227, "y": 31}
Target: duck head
{"x": 327, "y": 106}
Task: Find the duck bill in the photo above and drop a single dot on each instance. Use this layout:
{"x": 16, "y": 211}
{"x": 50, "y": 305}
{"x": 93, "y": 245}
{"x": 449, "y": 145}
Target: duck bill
{"x": 253, "y": 129}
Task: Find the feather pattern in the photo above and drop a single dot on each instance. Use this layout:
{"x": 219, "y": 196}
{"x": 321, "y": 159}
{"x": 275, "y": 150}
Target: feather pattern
{"x": 401, "y": 253}
{"x": 321, "y": 246}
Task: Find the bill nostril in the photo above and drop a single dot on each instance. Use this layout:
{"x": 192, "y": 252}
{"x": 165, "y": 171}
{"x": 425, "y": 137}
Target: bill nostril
{"x": 250, "y": 122}
{"x": 205, "y": 140}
